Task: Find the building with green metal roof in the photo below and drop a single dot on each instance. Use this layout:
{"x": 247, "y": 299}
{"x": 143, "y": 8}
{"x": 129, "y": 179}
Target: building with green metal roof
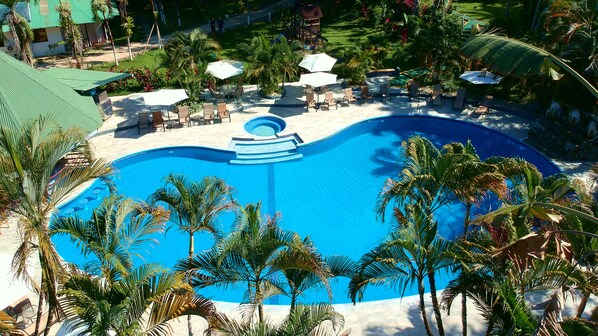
{"x": 27, "y": 93}
{"x": 44, "y": 20}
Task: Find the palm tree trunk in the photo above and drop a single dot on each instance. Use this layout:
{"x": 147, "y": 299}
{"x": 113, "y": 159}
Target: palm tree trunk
{"x": 582, "y": 305}
{"x": 464, "y": 313}
{"x": 435, "y": 305}
{"x": 189, "y": 325}
{"x": 49, "y": 322}
{"x": 129, "y": 45}
{"x": 293, "y": 300}
{"x": 191, "y": 252}
{"x": 40, "y": 307}
{"x": 111, "y": 39}
{"x": 191, "y": 245}
{"x": 12, "y": 20}
{"x": 422, "y": 305}
{"x": 507, "y": 8}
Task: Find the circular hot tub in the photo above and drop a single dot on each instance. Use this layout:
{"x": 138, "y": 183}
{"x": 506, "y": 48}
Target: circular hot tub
{"x": 265, "y": 126}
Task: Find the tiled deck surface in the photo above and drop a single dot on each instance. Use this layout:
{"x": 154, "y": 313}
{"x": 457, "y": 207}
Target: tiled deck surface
{"x": 389, "y": 317}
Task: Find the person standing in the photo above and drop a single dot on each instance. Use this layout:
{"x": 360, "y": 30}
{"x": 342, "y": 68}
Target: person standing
{"x": 212, "y": 27}
{"x": 220, "y": 25}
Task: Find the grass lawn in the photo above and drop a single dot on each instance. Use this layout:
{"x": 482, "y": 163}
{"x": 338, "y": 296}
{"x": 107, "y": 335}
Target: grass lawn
{"x": 490, "y": 11}
{"x": 150, "y": 59}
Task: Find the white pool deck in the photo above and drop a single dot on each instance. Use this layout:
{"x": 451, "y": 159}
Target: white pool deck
{"x": 388, "y": 317}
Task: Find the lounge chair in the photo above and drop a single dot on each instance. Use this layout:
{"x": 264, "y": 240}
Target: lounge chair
{"x": 384, "y": 92}
{"x": 484, "y": 106}
{"x": 365, "y": 94}
{"x": 157, "y": 120}
{"x": 310, "y": 101}
{"x": 184, "y": 116}
{"x": 459, "y": 99}
{"x": 223, "y": 113}
{"x": 143, "y": 122}
{"x": 414, "y": 91}
{"x": 22, "y": 312}
{"x": 349, "y": 97}
{"x": 436, "y": 98}
{"x": 208, "y": 113}
{"x": 329, "y": 101}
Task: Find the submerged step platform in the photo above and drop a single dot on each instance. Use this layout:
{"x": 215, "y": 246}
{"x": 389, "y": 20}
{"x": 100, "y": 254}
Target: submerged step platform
{"x": 252, "y": 151}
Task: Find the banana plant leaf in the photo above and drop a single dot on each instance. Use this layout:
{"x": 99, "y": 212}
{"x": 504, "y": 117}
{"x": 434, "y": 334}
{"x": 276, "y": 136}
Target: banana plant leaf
{"x": 512, "y": 57}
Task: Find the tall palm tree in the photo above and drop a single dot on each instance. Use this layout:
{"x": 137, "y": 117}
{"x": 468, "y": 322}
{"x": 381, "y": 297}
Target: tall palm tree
{"x": 71, "y": 31}
{"x": 128, "y": 26}
{"x": 305, "y": 320}
{"x": 105, "y": 8}
{"x": 20, "y": 31}
{"x": 28, "y": 158}
{"x": 254, "y": 253}
{"x": 195, "y": 206}
{"x": 411, "y": 253}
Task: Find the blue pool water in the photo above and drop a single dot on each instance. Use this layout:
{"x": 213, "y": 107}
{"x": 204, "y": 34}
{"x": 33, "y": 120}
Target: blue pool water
{"x": 328, "y": 195}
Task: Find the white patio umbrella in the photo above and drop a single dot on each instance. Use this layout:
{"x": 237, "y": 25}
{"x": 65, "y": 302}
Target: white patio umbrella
{"x": 481, "y": 77}
{"x": 164, "y": 97}
{"x": 317, "y": 79}
{"x": 317, "y": 62}
{"x": 225, "y": 69}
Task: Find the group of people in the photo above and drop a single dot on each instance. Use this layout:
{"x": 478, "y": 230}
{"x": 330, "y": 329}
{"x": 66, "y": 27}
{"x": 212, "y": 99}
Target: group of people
{"x": 213, "y": 23}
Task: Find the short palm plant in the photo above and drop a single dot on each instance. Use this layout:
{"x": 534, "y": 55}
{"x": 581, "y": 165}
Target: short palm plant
{"x": 271, "y": 62}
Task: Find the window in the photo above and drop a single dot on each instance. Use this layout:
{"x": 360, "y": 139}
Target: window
{"x": 40, "y": 35}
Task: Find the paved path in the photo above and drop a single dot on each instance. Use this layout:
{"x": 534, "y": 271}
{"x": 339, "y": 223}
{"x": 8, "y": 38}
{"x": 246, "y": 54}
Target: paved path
{"x": 105, "y": 54}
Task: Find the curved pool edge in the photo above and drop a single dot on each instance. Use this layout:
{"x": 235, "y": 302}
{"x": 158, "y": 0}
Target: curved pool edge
{"x": 337, "y": 133}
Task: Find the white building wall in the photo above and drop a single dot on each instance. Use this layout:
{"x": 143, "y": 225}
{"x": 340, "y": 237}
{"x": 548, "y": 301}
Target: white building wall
{"x": 43, "y": 48}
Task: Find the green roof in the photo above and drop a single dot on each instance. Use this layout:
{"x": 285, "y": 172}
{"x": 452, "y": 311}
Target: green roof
{"x": 27, "y": 93}
{"x": 84, "y": 80}
{"x": 44, "y": 13}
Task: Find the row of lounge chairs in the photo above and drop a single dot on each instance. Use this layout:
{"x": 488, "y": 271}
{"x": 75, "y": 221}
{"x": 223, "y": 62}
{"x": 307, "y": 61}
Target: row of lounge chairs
{"x": 184, "y": 118}
{"x": 458, "y": 101}
{"x": 413, "y": 94}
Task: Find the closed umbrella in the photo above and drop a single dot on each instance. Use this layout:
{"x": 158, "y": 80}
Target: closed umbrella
{"x": 317, "y": 62}
{"x": 225, "y": 69}
{"x": 317, "y": 79}
{"x": 481, "y": 77}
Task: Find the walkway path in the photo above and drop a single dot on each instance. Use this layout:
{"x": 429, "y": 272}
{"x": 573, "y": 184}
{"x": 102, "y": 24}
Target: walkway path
{"x": 104, "y": 54}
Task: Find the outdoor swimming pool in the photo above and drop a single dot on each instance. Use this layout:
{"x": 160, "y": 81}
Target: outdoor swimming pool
{"x": 328, "y": 195}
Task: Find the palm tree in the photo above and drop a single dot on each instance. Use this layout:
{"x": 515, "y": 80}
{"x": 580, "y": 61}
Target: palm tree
{"x": 299, "y": 281}
{"x": 195, "y": 206}
{"x": 118, "y": 231}
{"x": 142, "y": 302}
{"x": 359, "y": 61}
{"x": 253, "y": 254}
{"x": 411, "y": 253}
{"x": 187, "y": 56}
{"x": 128, "y": 26}
{"x": 71, "y": 31}
{"x": 305, "y": 320}
{"x": 270, "y": 62}
{"x": 510, "y": 56}
{"x": 28, "y": 158}
{"x": 20, "y": 31}
{"x": 113, "y": 294}
{"x": 104, "y": 7}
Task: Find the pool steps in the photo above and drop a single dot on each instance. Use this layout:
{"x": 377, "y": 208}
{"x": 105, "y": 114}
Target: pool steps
{"x": 251, "y": 151}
